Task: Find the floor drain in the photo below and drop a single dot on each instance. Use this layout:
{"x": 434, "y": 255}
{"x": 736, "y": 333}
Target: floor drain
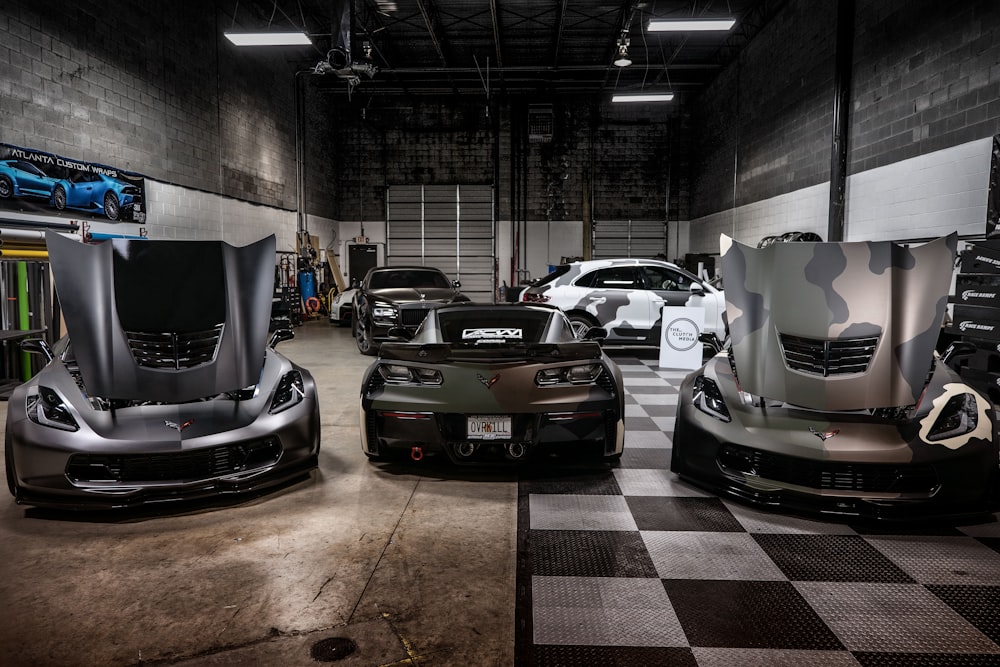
{"x": 332, "y": 649}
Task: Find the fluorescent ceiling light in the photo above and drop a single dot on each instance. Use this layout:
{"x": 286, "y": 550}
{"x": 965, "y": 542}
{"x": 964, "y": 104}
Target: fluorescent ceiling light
{"x": 690, "y": 25}
{"x": 643, "y": 97}
{"x": 268, "y": 38}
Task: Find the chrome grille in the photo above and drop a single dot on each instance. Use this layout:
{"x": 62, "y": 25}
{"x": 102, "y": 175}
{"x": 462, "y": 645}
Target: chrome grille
{"x": 174, "y": 350}
{"x": 843, "y": 356}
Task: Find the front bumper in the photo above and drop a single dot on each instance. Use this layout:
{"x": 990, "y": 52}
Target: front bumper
{"x": 81, "y": 470}
{"x": 868, "y": 468}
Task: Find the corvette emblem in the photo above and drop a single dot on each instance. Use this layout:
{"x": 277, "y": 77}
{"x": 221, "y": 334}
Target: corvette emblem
{"x": 178, "y": 427}
{"x": 488, "y": 383}
{"x": 824, "y": 435}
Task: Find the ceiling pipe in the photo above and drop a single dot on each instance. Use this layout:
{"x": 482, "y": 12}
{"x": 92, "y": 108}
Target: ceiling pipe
{"x": 841, "y": 119}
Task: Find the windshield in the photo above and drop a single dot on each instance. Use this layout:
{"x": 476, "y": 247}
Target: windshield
{"x": 408, "y": 278}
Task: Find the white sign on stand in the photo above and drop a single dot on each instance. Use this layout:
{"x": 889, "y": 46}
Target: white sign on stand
{"x": 679, "y": 344}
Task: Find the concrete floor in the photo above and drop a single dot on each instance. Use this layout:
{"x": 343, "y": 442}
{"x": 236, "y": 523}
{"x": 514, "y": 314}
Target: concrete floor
{"x": 415, "y": 565}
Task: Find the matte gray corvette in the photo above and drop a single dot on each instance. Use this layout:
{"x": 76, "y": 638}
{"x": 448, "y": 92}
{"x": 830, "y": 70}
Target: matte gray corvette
{"x": 165, "y": 387}
{"x": 485, "y": 383}
{"x": 832, "y": 397}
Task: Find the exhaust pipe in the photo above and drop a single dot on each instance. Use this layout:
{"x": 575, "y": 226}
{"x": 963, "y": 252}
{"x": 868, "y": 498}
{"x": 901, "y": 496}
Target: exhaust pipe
{"x": 516, "y": 450}
{"x": 465, "y": 449}
{"x": 416, "y": 453}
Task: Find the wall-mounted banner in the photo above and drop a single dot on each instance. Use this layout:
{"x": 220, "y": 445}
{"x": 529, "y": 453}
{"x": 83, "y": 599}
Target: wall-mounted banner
{"x": 679, "y": 343}
{"x": 37, "y": 182}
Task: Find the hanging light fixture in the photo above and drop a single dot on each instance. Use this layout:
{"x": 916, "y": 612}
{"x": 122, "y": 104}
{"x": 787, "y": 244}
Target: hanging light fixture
{"x": 268, "y": 38}
{"x": 623, "y": 60}
{"x": 691, "y": 25}
{"x": 642, "y": 97}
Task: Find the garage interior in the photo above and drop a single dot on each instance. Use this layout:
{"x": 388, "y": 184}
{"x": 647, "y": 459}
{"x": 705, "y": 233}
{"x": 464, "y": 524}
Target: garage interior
{"x": 481, "y": 138}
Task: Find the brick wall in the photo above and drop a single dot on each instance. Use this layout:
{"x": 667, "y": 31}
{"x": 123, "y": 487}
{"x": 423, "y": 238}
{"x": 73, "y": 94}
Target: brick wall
{"x": 925, "y": 99}
{"x": 148, "y": 87}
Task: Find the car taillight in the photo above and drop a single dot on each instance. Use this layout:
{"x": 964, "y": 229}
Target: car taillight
{"x": 534, "y": 297}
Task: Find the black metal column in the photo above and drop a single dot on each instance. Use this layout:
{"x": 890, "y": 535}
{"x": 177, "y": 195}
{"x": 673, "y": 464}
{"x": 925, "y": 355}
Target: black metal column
{"x": 841, "y": 116}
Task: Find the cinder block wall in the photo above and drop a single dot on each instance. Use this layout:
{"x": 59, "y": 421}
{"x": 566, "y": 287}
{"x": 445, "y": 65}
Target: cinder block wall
{"x": 155, "y": 88}
{"x": 925, "y": 100}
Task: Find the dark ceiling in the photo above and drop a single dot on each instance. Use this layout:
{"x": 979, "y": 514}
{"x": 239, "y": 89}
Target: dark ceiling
{"x": 434, "y": 47}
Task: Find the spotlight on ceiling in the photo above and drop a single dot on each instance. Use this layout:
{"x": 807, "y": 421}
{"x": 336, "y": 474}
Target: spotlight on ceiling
{"x": 642, "y": 97}
{"x": 623, "y": 60}
{"x": 268, "y": 38}
{"x": 690, "y": 25}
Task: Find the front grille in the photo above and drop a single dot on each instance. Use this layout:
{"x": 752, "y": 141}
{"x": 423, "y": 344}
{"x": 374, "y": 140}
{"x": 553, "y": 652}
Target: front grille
{"x": 412, "y": 315}
{"x": 183, "y": 466}
{"x": 843, "y": 356}
{"x": 830, "y": 475}
{"x": 174, "y": 350}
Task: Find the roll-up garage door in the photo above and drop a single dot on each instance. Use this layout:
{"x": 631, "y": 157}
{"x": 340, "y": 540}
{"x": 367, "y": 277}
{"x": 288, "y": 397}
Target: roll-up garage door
{"x": 449, "y": 227}
{"x": 629, "y": 238}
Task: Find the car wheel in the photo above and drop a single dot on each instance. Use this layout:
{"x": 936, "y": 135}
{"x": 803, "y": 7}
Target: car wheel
{"x": 111, "y": 208}
{"x": 59, "y": 197}
{"x": 6, "y": 187}
{"x": 363, "y": 337}
{"x": 582, "y": 324}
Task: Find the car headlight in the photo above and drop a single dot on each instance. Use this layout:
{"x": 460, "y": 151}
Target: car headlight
{"x": 383, "y": 311}
{"x": 707, "y": 397}
{"x": 400, "y": 374}
{"x": 46, "y": 407}
{"x": 582, "y": 374}
{"x": 290, "y": 392}
{"x": 958, "y": 416}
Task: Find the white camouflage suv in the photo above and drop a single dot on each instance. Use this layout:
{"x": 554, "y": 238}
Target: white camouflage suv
{"x": 626, "y": 297}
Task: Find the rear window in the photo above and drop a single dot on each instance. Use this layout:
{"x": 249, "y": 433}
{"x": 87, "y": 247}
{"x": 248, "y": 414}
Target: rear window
{"x": 560, "y": 270}
{"x": 484, "y": 327}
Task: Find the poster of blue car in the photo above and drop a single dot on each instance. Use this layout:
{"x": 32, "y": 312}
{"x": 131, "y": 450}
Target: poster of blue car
{"x": 37, "y": 182}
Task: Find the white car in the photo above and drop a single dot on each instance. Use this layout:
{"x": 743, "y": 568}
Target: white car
{"x": 626, "y": 297}
{"x": 340, "y": 307}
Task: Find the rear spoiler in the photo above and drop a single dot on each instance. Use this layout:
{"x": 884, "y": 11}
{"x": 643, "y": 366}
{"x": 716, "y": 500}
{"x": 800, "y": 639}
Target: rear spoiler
{"x": 435, "y": 353}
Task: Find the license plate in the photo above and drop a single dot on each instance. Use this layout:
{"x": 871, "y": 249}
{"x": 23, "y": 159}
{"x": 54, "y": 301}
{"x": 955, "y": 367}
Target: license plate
{"x": 488, "y": 427}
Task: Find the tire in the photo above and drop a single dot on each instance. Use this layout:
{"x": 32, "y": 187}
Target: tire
{"x": 582, "y": 324}
{"x": 112, "y": 209}
{"x": 6, "y": 187}
{"x": 363, "y": 337}
{"x": 59, "y": 197}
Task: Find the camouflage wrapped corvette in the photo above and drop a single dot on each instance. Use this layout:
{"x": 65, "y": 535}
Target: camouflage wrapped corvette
{"x": 831, "y": 397}
{"x": 493, "y": 384}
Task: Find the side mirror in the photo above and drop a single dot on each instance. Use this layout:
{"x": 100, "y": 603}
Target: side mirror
{"x": 456, "y": 283}
{"x": 37, "y": 346}
{"x": 279, "y": 336}
{"x": 596, "y": 333}
{"x": 399, "y": 334}
{"x": 696, "y": 288}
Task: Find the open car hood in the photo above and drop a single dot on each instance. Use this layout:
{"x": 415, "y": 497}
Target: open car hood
{"x": 836, "y": 326}
{"x": 165, "y": 321}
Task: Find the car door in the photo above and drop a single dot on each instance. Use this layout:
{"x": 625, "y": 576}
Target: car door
{"x": 81, "y": 192}
{"x": 666, "y": 287}
{"x": 32, "y": 180}
{"x": 617, "y": 298}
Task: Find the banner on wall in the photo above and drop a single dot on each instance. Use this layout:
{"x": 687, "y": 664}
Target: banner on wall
{"x": 34, "y": 181}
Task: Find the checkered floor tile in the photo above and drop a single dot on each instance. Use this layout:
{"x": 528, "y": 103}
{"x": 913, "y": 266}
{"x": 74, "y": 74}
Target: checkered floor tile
{"x": 631, "y": 566}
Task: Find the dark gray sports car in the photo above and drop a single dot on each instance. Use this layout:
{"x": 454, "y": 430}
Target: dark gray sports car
{"x": 165, "y": 387}
{"x": 832, "y": 397}
{"x": 493, "y": 383}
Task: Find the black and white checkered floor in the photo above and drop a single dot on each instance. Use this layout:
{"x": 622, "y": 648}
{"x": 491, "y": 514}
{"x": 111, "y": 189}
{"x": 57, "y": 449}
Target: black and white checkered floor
{"x": 631, "y": 566}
